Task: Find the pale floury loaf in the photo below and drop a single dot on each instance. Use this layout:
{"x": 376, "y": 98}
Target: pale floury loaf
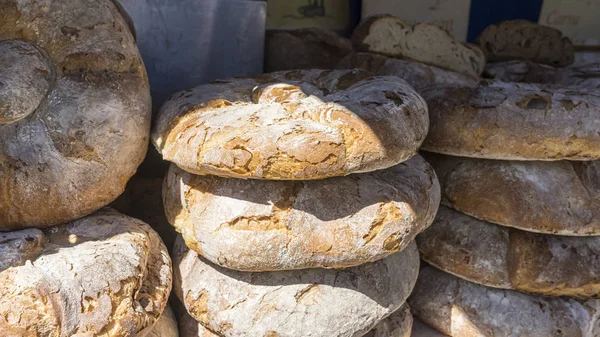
{"x": 74, "y": 110}
{"x": 422, "y": 42}
{"x": 546, "y": 197}
{"x": 292, "y": 125}
{"x": 304, "y": 48}
{"x": 309, "y": 302}
{"x": 462, "y": 309}
{"x": 103, "y": 275}
{"x": 508, "y": 258}
{"x": 585, "y": 76}
{"x": 254, "y": 225}
{"x": 525, "y": 40}
{"x": 418, "y": 75}
{"x": 513, "y": 121}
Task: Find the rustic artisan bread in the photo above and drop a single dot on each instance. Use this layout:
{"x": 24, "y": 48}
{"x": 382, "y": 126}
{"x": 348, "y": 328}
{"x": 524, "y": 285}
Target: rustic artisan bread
{"x": 310, "y": 302}
{"x": 398, "y": 324}
{"x": 423, "y": 42}
{"x": 513, "y": 121}
{"x": 304, "y": 48}
{"x": 525, "y": 40}
{"x": 508, "y": 258}
{"x": 546, "y": 197}
{"x": 254, "y": 225}
{"x": 529, "y": 72}
{"x": 143, "y": 200}
{"x": 420, "y": 329}
{"x": 418, "y": 75}
{"x": 74, "y": 110}
{"x": 462, "y": 309}
{"x": 166, "y": 326}
{"x": 295, "y": 125}
{"x": 105, "y": 274}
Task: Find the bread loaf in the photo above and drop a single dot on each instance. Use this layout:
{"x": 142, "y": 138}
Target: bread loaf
{"x": 166, "y": 326}
{"x": 462, "y": 309}
{"x": 253, "y": 225}
{"x": 513, "y": 121}
{"x": 304, "y": 48}
{"x": 74, "y": 110}
{"x": 295, "y": 125}
{"x": 310, "y": 302}
{"x": 546, "y": 197}
{"x": 423, "y": 42}
{"x": 398, "y": 324}
{"x": 418, "y": 75}
{"x": 503, "y": 257}
{"x": 587, "y": 76}
{"x": 525, "y": 40}
{"x": 102, "y": 275}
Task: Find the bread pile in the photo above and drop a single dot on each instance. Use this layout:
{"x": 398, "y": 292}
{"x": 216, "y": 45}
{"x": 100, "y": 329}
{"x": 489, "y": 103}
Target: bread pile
{"x": 515, "y": 249}
{"x": 298, "y": 195}
{"x": 74, "y": 125}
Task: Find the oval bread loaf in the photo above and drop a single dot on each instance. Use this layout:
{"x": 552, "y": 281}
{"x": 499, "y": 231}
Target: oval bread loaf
{"x": 558, "y": 198}
{"x": 423, "y": 42}
{"x": 103, "y": 275}
{"x": 585, "y": 76}
{"x": 508, "y": 258}
{"x": 295, "y": 125}
{"x": 418, "y": 75}
{"x": 74, "y": 110}
{"x": 525, "y": 40}
{"x": 513, "y": 121}
{"x": 462, "y": 309}
{"x": 253, "y": 225}
{"x": 310, "y": 302}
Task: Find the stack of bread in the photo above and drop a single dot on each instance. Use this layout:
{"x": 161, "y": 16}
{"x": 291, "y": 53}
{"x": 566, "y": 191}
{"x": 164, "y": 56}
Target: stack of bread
{"x": 515, "y": 248}
{"x": 74, "y": 126}
{"x": 298, "y": 195}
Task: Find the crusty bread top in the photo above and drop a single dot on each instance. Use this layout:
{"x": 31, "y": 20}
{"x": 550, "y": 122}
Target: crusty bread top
{"x": 292, "y": 125}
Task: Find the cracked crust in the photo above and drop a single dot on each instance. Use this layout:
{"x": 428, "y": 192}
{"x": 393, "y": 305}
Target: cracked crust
{"x": 513, "y": 121}
{"x": 423, "y": 42}
{"x": 292, "y": 125}
{"x": 310, "y": 302}
{"x": 507, "y": 258}
{"x": 525, "y": 40}
{"x": 587, "y": 76}
{"x": 102, "y": 275}
{"x": 418, "y": 75}
{"x": 305, "y": 48}
{"x": 558, "y": 198}
{"x": 462, "y": 309}
{"x": 253, "y": 225}
{"x": 81, "y": 125}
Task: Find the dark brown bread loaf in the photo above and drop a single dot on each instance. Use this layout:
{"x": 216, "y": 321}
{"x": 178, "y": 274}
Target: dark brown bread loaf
{"x": 74, "y": 110}
{"x": 585, "y": 76}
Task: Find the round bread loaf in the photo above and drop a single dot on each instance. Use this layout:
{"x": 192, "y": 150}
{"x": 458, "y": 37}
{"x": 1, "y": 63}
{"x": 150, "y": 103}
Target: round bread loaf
{"x": 398, "y": 324}
{"x": 546, "y": 197}
{"x": 587, "y": 76}
{"x": 418, "y": 75}
{"x": 310, "y": 302}
{"x": 304, "y": 48}
{"x": 525, "y": 40}
{"x": 423, "y": 42}
{"x": 103, "y": 275}
{"x": 166, "y": 326}
{"x": 74, "y": 110}
{"x": 254, "y": 225}
{"x": 508, "y": 258}
{"x": 295, "y": 125}
{"x": 462, "y": 309}
{"x": 513, "y": 121}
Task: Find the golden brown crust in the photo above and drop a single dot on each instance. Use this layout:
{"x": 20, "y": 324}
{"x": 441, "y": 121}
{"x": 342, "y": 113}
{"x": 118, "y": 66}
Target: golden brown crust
{"x": 75, "y": 149}
{"x": 294, "y": 125}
